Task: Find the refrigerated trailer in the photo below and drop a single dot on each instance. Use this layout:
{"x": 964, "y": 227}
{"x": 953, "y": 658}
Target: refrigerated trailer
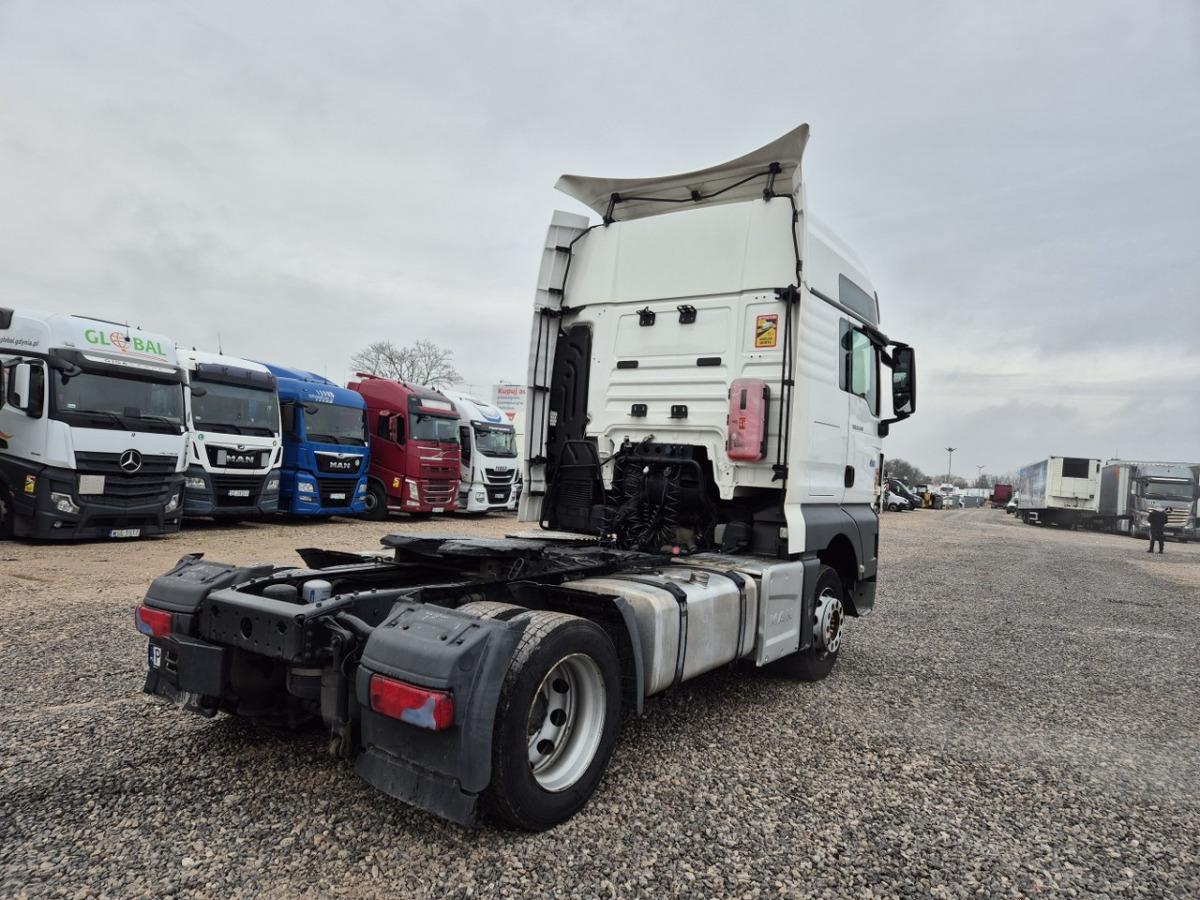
{"x": 1060, "y": 490}
{"x": 703, "y": 450}
{"x": 91, "y": 429}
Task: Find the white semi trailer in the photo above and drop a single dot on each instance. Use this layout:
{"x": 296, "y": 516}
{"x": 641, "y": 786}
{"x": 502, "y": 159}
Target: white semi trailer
{"x": 703, "y": 451}
{"x": 1060, "y": 490}
{"x": 489, "y": 455}
{"x": 91, "y": 429}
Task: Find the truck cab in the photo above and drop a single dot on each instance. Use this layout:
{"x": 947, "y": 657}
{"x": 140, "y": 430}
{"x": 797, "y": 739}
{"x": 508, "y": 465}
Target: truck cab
{"x": 414, "y": 448}
{"x": 489, "y": 455}
{"x": 91, "y": 429}
{"x": 325, "y": 449}
{"x": 703, "y": 440}
{"x": 235, "y": 451}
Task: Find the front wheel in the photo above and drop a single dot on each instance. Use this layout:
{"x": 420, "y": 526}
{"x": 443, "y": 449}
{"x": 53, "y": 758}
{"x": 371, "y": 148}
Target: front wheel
{"x": 829, "y": 615}
{"x": 556, "y": 722}
{"x": 375, "y": 507}
{"x": 6, "y": 513}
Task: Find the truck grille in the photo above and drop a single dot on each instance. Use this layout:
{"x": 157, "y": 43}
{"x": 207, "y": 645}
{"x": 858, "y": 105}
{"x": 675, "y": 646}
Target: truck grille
{"x": 500, "y": 476}
{"x": 328, "y": 487}
{"x": 1177, "y": 518}
{"x": 439, "y": 493}
{"x": 223, "y": 484}
{"x": 232, "y": 458}
{"x": 110, "y": 464}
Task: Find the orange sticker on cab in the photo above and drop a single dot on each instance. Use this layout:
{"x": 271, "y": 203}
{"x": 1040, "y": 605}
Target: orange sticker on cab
{"x": 30, "y": 484}
{"x": 396, "y": 483}
{"x": 766, "y": 330}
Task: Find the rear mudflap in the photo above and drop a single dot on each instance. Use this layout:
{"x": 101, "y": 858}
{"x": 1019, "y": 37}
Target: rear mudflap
{"x": 439, "y": 771}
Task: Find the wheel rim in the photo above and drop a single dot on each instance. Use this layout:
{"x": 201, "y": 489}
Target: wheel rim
{"x": 370, "y": 502}
{"x": 827, "y": 623}
{"x": 566, "y": 721}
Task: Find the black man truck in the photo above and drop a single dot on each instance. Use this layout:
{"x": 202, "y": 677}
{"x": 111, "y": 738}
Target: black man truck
{"x": 703, "y": 454}
{"x": 91, "y": 429}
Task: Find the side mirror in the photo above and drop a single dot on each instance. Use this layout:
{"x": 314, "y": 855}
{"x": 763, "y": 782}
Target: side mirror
{"x": 198, "y": 390}
{"x": 27, "y": 389}
{"x": 904, "y": 381}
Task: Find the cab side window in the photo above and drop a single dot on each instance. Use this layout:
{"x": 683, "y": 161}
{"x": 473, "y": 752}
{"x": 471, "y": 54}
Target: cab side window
{"x": 860, "y": 365}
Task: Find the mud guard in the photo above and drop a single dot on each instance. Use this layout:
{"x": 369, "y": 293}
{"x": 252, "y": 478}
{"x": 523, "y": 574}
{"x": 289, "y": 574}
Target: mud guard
{"x": 441, "y": 772}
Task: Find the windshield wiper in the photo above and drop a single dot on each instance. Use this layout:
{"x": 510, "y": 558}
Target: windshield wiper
{"x": 100, "y": 413}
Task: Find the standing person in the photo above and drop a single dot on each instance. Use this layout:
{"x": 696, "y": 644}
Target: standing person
{"x": 1158, "y": 521}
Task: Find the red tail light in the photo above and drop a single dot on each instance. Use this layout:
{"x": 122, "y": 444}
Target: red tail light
{"x": 408, "y": 703}
{"x": 153, "y": 622}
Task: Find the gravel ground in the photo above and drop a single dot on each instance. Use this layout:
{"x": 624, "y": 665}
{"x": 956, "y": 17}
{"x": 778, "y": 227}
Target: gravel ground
{"x": 1019, "y": 718}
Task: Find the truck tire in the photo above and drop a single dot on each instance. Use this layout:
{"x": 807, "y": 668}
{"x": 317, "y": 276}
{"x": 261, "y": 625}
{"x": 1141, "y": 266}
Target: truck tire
{"x": 376, "y": 502}
{"x": 556, "y": 722}
{"x": 6, "y": 519}
{"x": 492, "y": 609}
{"x": 829, "y": 616}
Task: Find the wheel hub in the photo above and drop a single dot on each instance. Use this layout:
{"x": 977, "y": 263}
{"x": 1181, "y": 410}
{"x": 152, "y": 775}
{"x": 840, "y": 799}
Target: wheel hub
{"x": 565, "y": 722}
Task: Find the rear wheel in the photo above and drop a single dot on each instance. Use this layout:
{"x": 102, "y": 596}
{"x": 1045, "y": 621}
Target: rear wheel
{"x": 556, "y": 722}
{"x": 829, "y": 615}
{"x": 375, "y": 507}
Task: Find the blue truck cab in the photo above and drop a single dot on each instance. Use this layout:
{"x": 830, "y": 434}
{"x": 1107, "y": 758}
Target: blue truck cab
{"x": 325, "y": 447}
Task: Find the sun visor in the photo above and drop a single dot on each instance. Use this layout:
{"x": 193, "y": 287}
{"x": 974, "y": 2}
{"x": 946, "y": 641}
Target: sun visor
{"x": 727, "y": 183}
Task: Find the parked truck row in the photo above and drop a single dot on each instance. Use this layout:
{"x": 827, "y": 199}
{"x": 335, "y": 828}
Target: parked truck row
{"x": 702, "y": 465}
{"x": 107, "y": 431}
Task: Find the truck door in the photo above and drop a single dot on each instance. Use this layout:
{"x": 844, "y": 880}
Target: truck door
{"x": 860, "y": 379}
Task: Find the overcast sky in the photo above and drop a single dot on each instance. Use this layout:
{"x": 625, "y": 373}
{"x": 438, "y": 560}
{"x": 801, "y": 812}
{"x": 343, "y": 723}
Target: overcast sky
{"x": 1022, "y": 180}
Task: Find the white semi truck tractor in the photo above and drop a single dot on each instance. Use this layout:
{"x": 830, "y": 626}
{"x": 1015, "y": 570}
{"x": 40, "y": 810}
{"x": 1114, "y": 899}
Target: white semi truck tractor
{"x": 91, "y": 429}
{"x": 703, "y": 449}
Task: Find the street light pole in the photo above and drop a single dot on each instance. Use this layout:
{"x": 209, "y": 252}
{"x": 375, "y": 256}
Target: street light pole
{"x": 980, "y": 468}
{"x": 949, "y": 461}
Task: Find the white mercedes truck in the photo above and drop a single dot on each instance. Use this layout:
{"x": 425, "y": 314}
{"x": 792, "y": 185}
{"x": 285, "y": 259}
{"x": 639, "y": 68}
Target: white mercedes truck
{"x": 91, "y": 429}
{"x": 489, "y": 455}
{"x": 235, "y": 449}
{"x": 703, "y": 453}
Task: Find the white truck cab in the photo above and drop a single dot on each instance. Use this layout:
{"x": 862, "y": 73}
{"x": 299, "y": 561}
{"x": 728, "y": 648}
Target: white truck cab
{"x": 489, "y": 455}
{"x": 91, "y": 429}
{"x": 235, "y": 446}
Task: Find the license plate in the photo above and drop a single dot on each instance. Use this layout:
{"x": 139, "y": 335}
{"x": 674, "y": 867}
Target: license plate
{"x": 337, "y": 496}
{"x": 124, "y": 532}
{"x": 439, "y": 509}
{"x": 239, "y": 492}
{"x": 155, "y": 656}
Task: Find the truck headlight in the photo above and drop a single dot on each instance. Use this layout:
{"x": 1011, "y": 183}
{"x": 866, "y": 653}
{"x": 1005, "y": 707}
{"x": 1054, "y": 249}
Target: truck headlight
{"x": 173, "y": 503}
{"x": 193, "y": 483}
{"x": 481, "y": 496}
{"x": 414, "y": 494}
{"x": 305, "y": 487}
{"x": 272, "y": 483}
{"x": 63, "y": 502}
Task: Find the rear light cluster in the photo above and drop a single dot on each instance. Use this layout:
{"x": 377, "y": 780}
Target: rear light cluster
{"x": 153, "y": 622}
{"x": 418, "y": 706}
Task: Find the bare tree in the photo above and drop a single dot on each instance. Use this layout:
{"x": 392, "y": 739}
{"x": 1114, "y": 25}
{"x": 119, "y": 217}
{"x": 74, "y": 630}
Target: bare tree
{"x": 423, "y": 363}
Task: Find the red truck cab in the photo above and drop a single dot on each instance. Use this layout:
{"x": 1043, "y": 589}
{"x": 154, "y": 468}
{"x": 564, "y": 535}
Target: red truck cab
{"x": 414, "y": 448}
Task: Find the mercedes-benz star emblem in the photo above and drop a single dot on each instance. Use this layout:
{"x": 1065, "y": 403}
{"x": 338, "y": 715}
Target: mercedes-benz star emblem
{"x": 131, "y": 461}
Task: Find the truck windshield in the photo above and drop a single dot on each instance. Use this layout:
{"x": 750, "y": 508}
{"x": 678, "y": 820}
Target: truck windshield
{"x": 496, "y": 441}
{"x": 334, "y": 424}
{"x": 1165, "y": 490}
{"x": 119, "y": 402}
{"x": 235, "y": 409}
{"x": 442, "y": 429}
